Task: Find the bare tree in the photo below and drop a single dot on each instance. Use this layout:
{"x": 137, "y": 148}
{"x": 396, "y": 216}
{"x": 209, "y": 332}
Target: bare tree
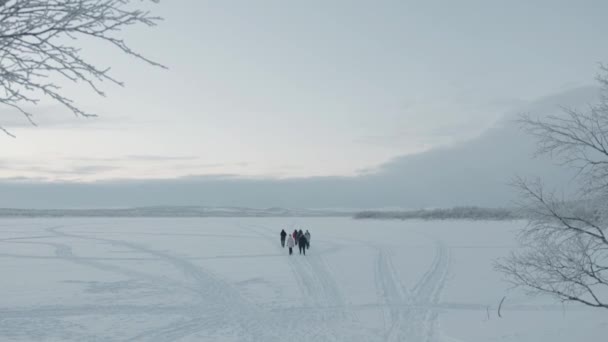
{"x": 565, "y": 248}
{"x": 38, "y": 46}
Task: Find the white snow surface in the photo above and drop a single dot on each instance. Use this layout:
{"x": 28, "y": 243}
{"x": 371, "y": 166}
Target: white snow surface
{"x": 228, "y": 279}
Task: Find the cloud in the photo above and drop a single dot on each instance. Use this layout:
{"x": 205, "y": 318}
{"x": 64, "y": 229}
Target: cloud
{"x": 46, "y": 172}
{"x": 91, "y": 169}
{"x": 134, "y": 157}
{"x": 151, "y": 157}
{"x": 43, "y": 116}
{"x": 423, "y": 137}
{"x": 113, "y": 168}
{"x": 58, "y": 117}
{"x": 476, "y": 172}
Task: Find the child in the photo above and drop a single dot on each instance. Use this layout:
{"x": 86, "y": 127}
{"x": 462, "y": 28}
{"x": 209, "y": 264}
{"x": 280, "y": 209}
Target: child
{"x": 291, "y": 243}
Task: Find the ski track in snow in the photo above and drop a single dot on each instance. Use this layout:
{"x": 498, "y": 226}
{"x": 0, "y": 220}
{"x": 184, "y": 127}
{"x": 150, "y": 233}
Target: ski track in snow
{"x": 217, "y": 307}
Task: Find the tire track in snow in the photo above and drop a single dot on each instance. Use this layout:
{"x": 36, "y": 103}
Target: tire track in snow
{"x": 390, "y": 290}
{"x": 311, "y": 274}
{"x": 318, "y": 287}
{"x": 215, "y": 296}
{"x": 64, "y": 252}
{"x": 412, "y": 316}
{"x": 84, "y": 310}
{"x": 427, "y": 294}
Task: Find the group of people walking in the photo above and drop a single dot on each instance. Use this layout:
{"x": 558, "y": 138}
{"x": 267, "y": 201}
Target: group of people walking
{"x": 299, "y": 238}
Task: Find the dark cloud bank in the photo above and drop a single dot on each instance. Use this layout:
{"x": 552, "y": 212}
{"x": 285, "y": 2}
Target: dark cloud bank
{"x": 476, "y": 172}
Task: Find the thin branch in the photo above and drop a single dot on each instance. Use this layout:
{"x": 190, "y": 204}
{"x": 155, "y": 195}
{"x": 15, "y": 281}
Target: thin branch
{"x": 36, "y": 48}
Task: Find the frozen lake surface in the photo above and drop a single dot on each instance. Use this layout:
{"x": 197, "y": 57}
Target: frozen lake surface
{"x": 229, "y": 279}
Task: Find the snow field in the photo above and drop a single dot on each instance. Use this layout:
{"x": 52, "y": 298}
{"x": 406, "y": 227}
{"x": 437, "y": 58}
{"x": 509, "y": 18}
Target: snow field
{"x": 228, "y": 279}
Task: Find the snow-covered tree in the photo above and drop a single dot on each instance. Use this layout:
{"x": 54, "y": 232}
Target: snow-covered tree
{"x": 565, "y": 245}
{"x": 39, "y": 45}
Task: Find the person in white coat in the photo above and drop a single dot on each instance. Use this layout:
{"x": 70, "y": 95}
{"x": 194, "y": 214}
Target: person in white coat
{"x": 307, "y": 234}
{"x": 290, "y": 243}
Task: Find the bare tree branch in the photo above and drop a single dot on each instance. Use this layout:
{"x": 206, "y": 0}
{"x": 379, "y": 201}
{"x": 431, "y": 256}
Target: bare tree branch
{"x": 578, "y": 139}
{"x": 565, "y": 248}
{"x": 36, "y": 47}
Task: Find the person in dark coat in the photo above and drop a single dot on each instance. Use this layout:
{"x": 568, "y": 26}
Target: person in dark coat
{"x": 302, "y": 244}
{"x": 283, "y": 237}
{"x": 295, "y": 236}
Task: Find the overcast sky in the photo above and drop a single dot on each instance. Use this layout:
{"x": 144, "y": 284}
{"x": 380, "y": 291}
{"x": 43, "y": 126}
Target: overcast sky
{"x": 307, "y": 88}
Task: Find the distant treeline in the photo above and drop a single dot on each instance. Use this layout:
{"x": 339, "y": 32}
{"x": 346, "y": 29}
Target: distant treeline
{"x": 464, "y": 213}
{"x": 173, "y": 211}
{"x": 456, "y": 213}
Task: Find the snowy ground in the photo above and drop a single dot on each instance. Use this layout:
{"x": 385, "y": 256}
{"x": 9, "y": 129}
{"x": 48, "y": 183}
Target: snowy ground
{"x": 230, "y": 280}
